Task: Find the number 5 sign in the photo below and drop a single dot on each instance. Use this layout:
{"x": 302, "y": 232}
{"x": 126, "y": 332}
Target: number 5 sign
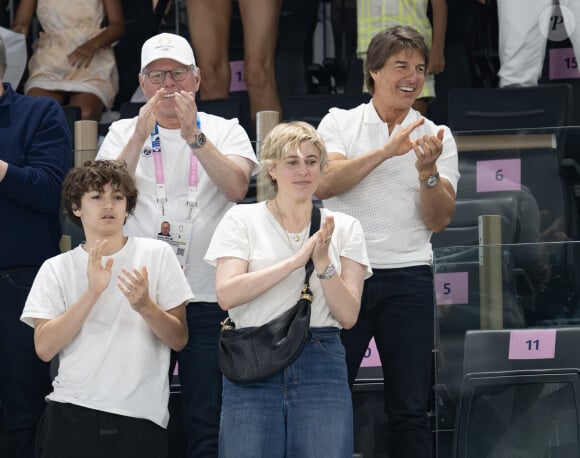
{"x": 451, "y": 288}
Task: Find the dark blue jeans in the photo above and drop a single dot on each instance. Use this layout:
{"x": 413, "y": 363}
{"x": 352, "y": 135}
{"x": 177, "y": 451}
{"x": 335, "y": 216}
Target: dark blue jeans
{"x": 201, "y": 380}
{"x": 25, "y": 379}
{"x": 398, "y": 310}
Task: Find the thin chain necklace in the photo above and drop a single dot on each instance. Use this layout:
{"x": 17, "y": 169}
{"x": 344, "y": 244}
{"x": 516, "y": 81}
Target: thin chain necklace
{"x": 296, "y": 237}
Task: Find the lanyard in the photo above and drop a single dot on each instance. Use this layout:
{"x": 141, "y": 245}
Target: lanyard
{"x": 160, "y": 177}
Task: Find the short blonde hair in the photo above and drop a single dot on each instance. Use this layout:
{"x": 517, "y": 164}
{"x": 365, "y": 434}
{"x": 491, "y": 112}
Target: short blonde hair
{"x": 287, "y": 137}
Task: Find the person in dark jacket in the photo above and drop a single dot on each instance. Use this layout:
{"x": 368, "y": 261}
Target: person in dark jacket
{"x": 35, "y": 154}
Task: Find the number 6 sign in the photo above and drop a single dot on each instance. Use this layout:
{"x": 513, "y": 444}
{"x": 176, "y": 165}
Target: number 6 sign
{"x": 499, "y": 175}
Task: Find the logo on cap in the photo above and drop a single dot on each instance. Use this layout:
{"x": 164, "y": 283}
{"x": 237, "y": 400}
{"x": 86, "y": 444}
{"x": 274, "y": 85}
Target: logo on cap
{"x": 165, "y": 44}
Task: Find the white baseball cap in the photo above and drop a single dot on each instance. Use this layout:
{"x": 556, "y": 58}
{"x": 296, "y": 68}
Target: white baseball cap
{"x": 167, "y": 46}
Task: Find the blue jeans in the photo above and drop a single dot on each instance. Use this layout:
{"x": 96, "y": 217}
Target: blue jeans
{"x": 201, "y": 380}
{"x": 398, "y": 310}
{"x": 25, "y": 379}
{"x": 304, "y": 411}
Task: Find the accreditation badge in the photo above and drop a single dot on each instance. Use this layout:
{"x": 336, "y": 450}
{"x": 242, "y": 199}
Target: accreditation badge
{"x": 176, "y": 232}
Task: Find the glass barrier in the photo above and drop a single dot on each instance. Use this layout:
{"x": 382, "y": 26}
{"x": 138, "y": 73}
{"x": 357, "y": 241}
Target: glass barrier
{"x": 507, "y": 333}
{"x": 539, "y": 168}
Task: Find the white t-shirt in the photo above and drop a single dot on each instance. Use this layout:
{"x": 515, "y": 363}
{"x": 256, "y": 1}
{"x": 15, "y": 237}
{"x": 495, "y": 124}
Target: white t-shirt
{"x": 115, "y": 363}
{"x": 231, "y": 139}
{"x": 386, "y": 201}
{"x": 251, "y": 232}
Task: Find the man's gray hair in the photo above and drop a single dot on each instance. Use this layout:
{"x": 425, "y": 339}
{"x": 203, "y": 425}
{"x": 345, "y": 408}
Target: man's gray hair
{"x": 3, "y": 63}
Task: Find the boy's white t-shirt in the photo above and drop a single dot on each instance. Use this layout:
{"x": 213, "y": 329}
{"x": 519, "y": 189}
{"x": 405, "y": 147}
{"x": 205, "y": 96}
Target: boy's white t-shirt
{"x": 115, "y": 363}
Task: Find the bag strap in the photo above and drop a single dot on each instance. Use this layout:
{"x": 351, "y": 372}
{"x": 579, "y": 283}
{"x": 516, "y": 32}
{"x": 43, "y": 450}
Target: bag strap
{"x": 314, "y": 226}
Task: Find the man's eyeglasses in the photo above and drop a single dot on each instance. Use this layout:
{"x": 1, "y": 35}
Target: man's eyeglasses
{"x": 158, "y": 76}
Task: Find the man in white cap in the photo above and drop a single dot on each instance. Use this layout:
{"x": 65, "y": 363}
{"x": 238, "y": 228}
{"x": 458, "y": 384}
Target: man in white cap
{"x": 190, "y": 168}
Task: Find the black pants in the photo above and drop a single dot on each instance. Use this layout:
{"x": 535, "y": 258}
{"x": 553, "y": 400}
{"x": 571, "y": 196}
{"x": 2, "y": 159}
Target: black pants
{"x": 70, "y": 431}
{"x": 24, "y": 378}
{"x": 398, "y": 310}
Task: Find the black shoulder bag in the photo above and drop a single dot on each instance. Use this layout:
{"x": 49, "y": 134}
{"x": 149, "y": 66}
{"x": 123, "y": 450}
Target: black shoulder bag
{"x": 255, "y": 354}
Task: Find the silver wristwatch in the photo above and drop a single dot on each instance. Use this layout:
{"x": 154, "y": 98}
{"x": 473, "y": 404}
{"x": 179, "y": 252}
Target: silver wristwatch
{"x": 199, "y": 140}
{"x": 430, "y": 181}
{"x": 327, "y": 273}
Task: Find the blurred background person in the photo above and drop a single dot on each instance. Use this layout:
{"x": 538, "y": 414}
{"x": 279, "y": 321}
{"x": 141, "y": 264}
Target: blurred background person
{"x": 35, "y": 154}
{"x": 209, "y": 28}
{"x": 374, "y": 16}
{"x": 73, "y": 60}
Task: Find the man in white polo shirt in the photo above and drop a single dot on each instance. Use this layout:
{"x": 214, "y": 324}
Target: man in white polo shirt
{"x": 397, "y": 173}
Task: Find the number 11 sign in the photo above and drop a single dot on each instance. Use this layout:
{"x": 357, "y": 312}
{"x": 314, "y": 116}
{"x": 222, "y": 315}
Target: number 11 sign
{"x": 532, "y": 344}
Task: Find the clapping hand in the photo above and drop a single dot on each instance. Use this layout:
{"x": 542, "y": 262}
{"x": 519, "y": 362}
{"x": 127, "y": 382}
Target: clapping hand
{"x": 148, "y": 114}
{"x": 186, "y": 111}
{"x": 428, "y": 148}
{"x": 399, "y": 142}
{"x": 135, "y": 287}
{"x": 322, "y": 241}
{"x": 99, "y": 276}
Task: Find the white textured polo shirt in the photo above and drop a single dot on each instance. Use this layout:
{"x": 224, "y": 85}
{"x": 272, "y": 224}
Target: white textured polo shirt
{"x": 386, "y": 201}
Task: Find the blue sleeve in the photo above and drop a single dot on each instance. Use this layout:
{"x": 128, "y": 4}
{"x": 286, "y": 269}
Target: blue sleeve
{"x": 35, "y": 173}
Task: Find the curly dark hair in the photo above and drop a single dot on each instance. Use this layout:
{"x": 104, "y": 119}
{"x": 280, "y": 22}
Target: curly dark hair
{"x": 94, "y": 176}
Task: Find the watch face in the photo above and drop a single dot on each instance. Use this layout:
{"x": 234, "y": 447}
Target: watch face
{"x": 431, "y": 181}
{"x": 328, "y": 272}
{"x": 200, "y": 139}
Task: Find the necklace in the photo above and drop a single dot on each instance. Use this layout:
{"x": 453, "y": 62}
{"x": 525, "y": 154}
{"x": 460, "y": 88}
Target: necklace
{"x": 296, "y": 237}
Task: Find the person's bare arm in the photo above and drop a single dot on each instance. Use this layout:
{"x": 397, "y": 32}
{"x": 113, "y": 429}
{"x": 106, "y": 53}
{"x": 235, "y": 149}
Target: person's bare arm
{"x": 437, "y": 53}
{"x": 84, "y": 54}
{"x": 170, "y": 327}
{"x": 51, "y": 336}
{"x": 143, "y": 128}
{"x": 3, "y": 169}
{"x": 342, "y": 292}
{"x": 23, "y": 17}
{"x": 236, "y": 286}
{"x": 231, "y": 174}
{"x": 437, "y": 203}
{"x": 343, "y": 174}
